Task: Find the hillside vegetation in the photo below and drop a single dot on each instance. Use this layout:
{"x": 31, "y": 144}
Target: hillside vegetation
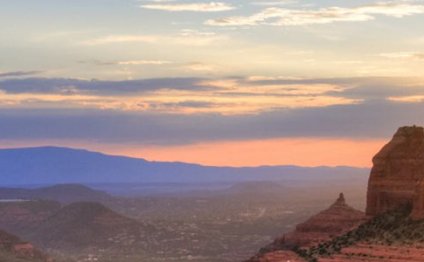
{"x": 390, "y": 228}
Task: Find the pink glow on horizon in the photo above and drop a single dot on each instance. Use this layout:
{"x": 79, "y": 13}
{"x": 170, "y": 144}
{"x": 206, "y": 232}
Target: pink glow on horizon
{"x": 302, "y": 152}
{"x": 285, "y": 151}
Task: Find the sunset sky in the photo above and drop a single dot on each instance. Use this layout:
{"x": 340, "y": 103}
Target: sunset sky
{"x": 236, "y": 83}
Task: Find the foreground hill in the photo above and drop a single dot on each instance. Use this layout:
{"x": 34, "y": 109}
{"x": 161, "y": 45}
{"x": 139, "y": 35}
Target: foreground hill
{"x": 64, "y": 193}
{"x": 53, "y": 165}
{"x": 388, "y": 237}
{"x": 391, "y": 237}
{"x": 13, "y": 249}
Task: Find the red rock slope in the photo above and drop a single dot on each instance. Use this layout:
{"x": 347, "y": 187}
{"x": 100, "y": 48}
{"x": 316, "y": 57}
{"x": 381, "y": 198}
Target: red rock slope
{"x": 363, "y": 252}
{"x": 13, "y": 249}
{"x": 338, "y": 219}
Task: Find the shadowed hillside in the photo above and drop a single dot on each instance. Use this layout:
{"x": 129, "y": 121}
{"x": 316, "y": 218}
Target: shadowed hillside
{"x": 22, "y": 217}
{"x": 83, "y": 225}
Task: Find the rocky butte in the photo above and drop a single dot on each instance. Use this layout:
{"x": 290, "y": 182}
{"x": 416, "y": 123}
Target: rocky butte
{"x": 397, "y": 176}
{"x": 336, "y": 220}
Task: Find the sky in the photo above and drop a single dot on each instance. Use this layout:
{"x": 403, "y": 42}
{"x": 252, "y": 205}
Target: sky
{"x": 234, "y": 83}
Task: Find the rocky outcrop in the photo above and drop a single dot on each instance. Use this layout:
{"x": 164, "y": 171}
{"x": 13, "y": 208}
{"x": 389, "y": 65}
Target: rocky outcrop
{"x": 364, "y": 252}
{"x": 338, "y": 219}
{"x": 13, "y": 248}
{"x": 397, "y": 176}
{"x": 334, "y": 221}
{"x": 277, "y": 256}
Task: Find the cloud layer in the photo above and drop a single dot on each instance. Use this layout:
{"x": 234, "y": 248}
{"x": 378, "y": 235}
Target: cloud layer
{"x": 191, "y": 110}
{"x": 294, "y": 17}
{"x": 188, "y": 7}
{"x": 175, "y": 95}
{"x": 369, "y": 120}
{"x": 19, "y": 74}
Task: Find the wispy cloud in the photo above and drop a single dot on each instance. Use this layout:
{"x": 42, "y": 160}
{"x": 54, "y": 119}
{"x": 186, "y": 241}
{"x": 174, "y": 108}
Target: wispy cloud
{"x": 187, "y": 37}
{"x": 197, "y": 66}
{"x": 294, "y": 17}
{"x": 273, "y": 3}
{"x": 113, "y": 39}
{"x": 189, "y": 7}
{"x": 224, "y": 96}
{"x": 144, "y": 62}
{"x": 404, "y": 55}
{"x": 127, "y": 62}
{"x": 407, "y": 99}
{"x": 19, "y": 73}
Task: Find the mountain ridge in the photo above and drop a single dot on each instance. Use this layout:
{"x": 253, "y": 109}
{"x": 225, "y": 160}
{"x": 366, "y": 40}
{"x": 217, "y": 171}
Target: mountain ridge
{"x": 59, "y": 165}
{"x": 75, "y": 149}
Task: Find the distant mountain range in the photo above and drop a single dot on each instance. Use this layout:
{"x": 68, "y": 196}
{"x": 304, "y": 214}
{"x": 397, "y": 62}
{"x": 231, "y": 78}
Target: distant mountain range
{"x": 56, "y": 165}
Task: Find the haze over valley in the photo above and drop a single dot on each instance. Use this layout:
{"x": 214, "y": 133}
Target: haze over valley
{"x": 189, "y": 212}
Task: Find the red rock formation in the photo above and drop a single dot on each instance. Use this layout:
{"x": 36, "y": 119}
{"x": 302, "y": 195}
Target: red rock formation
{"x": 278, "y": 256}
{"x": 25, "y": 251}
{"x": 397, "y": 177}
{"x": 337, "y": 220}
{"x": 363, "y": 252}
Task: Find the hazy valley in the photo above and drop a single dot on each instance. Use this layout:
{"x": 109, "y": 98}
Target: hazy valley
{"x": 223, "y": 220}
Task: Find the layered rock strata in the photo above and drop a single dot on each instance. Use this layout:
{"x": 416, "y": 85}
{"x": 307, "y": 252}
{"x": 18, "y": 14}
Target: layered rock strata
{"x": 397, "y": 176}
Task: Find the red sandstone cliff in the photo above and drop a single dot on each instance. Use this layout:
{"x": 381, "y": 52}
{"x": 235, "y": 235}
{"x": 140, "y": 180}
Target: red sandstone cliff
{"x": 397, "y": 177}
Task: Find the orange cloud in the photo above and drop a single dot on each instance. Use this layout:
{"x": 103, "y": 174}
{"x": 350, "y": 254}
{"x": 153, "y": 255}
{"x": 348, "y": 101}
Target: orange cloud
{"x": 228, "y": 98}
